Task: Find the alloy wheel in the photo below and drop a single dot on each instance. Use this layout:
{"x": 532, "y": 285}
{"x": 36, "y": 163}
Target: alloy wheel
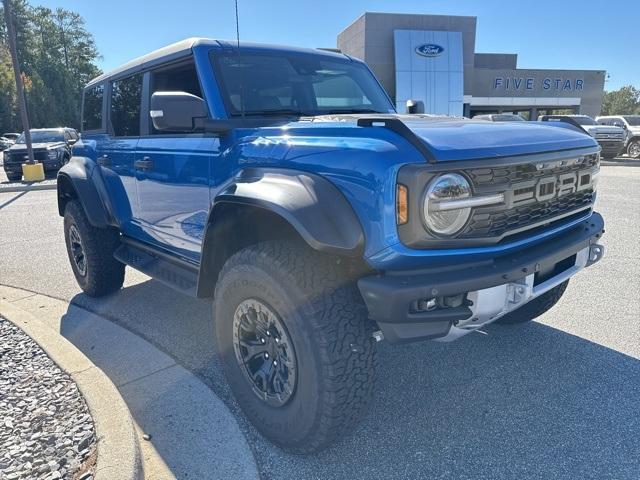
{"x": 264, "y": 352}
{"x": 77, "y": 250}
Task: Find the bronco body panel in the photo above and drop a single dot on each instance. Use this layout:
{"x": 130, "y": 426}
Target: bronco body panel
{"x": 331, "y": 176}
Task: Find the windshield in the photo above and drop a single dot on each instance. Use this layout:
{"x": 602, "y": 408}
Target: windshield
{"x": 43, "y": 136}
{"x": 584, "y": 120}
{"x": 297, "y": 84}
{"x": 503, "y": 117}
{"x": 633, "y": 120}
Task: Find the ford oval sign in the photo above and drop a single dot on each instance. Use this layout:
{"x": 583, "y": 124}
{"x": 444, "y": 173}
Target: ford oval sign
{"x": 429, "y": 50}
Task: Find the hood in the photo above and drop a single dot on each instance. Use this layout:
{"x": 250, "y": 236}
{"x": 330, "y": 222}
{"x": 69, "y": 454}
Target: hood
{"x": 452, "y": 139}
{"x": 594, "y": 129}
{"x": 36, "y": 146}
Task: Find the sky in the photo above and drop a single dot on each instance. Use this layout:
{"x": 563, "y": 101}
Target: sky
{"x": 569, "y": 34}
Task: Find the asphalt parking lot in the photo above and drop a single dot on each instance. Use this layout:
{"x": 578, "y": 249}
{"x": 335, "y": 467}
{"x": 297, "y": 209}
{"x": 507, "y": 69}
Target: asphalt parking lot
{"x": 557, "y": 398}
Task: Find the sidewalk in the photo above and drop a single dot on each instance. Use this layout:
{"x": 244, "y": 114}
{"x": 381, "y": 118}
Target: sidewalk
{"x": 184, "y": 430}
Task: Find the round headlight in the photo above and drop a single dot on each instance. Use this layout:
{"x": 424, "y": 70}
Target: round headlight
{"x": 441, "y": 214}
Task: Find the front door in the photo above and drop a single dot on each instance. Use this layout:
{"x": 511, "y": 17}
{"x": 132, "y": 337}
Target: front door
{"x": 117, "y": 148}
{"x": 173, "y": 171}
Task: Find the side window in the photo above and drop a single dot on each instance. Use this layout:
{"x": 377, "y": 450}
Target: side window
{"x": 179, "y": 78}
{"x": 92, "y": 110}
{"x": 125, "y": 106}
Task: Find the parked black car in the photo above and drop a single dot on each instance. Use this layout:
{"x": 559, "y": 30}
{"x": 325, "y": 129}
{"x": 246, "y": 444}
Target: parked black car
{"x": 51, "y": 147}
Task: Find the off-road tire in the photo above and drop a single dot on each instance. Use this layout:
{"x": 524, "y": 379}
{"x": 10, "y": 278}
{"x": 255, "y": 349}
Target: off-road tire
{"x": 103, "y": 274}
{"x": 535, "y": 307}
{"x": 327, "y": 323}
{"x": 14, "y": 177}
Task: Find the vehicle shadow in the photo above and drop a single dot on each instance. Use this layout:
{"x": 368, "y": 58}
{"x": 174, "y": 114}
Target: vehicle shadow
{"x": 526, "y": 401}
{"x": 191, "y": 432}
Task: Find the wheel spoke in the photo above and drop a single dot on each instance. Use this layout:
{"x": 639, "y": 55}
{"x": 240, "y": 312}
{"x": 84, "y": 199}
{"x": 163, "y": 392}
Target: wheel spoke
{"x": 264, "y": 351}
{"x": 253, "y": 348}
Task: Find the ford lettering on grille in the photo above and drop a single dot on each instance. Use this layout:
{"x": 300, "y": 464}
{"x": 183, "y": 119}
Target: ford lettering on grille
{"x": 548, "y": 188}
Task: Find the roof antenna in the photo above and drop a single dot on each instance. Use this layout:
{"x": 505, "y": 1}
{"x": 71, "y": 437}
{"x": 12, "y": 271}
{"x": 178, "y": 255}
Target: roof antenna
{"x": 239, "y": 64}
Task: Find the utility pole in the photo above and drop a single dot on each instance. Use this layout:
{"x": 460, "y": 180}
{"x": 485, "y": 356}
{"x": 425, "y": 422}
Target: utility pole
{"x": 11, "y": 38}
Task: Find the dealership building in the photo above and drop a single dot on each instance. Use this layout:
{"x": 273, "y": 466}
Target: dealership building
{"x": 431, "y": 60}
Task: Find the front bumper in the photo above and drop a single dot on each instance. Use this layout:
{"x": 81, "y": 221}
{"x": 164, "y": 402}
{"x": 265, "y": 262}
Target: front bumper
{"x": 491, "y": 288}
{"x": 47, "y": 165}
{"x": 611, "y": 148}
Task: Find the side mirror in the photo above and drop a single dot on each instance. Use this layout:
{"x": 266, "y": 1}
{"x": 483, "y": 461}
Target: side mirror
{"x": 620, "y": 124}
{"x": 176, "y": 111}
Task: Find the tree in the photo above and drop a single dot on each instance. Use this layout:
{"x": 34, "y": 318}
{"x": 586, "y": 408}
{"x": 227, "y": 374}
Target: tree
{"x": 57, "y": 58}
{"x": 625, "y": 101}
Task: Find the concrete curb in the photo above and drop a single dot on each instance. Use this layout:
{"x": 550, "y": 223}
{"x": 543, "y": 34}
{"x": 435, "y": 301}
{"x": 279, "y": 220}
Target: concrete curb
{"x": 117, "y": 446}
{"x": 183, "y": 429}
{"x": 31, "y": 187}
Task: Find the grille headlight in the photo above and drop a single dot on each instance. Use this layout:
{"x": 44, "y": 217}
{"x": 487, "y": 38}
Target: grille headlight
{"x": 445, "y": 210}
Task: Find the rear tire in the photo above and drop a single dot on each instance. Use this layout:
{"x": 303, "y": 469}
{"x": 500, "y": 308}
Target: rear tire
{"x": 535, "y": 307}
{"x": 90, "y": 251}
{"x": 327, "y": 369}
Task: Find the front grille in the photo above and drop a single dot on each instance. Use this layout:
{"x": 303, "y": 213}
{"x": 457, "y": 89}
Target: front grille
{"x": 609, "y": 136}
{"x": 497, "y": 224}
{"x": 516, "y": 173}
{"x": 21, "y": 157}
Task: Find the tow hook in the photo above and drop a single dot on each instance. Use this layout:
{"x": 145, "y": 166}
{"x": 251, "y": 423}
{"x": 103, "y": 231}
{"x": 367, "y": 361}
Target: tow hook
{"x": 596, "y": 252}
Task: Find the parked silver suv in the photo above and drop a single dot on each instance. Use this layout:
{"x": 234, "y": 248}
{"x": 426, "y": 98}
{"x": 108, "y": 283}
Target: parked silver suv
{"x": 611, "y": 139}
{"x": 631, "y": 126}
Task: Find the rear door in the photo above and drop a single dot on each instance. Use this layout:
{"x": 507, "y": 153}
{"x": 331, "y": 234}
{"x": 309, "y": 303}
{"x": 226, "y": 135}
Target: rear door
{"x": 173, "y": 170}
{"x": 117, "y": 149}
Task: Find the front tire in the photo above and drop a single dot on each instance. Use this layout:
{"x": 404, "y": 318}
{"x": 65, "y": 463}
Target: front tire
{"x": 633, "y": 149}
{"x": 535, "y": 307}
{"x": 90, "y": 251}
{"x": 295, "y": 343}
{"x": 14, "y": 177}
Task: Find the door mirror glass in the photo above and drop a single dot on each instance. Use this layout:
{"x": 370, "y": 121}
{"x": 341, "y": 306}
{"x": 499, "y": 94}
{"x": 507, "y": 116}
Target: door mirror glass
{"x": 619, "y": 124}
{"x": 176, "y": 111}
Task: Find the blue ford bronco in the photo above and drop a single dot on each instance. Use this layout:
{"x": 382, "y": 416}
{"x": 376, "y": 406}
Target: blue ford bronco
{"x": 281, "y": 184}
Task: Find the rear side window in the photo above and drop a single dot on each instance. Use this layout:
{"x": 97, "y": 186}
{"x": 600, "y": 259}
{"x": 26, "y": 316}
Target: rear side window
{"x": 92, "y": 111}
{"x": 125, "y": 106}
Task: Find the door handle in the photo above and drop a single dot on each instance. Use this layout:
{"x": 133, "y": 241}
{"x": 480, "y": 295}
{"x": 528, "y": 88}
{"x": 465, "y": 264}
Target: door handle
{"x": 104, "y": 161}
{"x": 145, "y": 164}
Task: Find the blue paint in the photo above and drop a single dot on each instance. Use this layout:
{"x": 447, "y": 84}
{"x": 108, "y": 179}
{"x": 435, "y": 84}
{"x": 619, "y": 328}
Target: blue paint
{"x": 168, "y": 204}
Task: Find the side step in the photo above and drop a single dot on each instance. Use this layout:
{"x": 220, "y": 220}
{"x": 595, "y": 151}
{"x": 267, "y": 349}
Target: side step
{"x": 173, "y": 272}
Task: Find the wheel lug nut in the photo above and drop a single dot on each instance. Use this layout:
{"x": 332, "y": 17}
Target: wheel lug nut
{"x": 266, "y": 355}
{"x": 277, "y": 340}
{"x": 262, "y": 340}
{"x": 275, "y": 362}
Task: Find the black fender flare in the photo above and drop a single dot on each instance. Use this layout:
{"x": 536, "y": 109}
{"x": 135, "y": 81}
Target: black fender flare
{"x": 80, "y": 177}
{"x": 313, "y": 206}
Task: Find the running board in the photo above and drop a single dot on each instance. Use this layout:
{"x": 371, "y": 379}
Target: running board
{"x": 177, "y": 274}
